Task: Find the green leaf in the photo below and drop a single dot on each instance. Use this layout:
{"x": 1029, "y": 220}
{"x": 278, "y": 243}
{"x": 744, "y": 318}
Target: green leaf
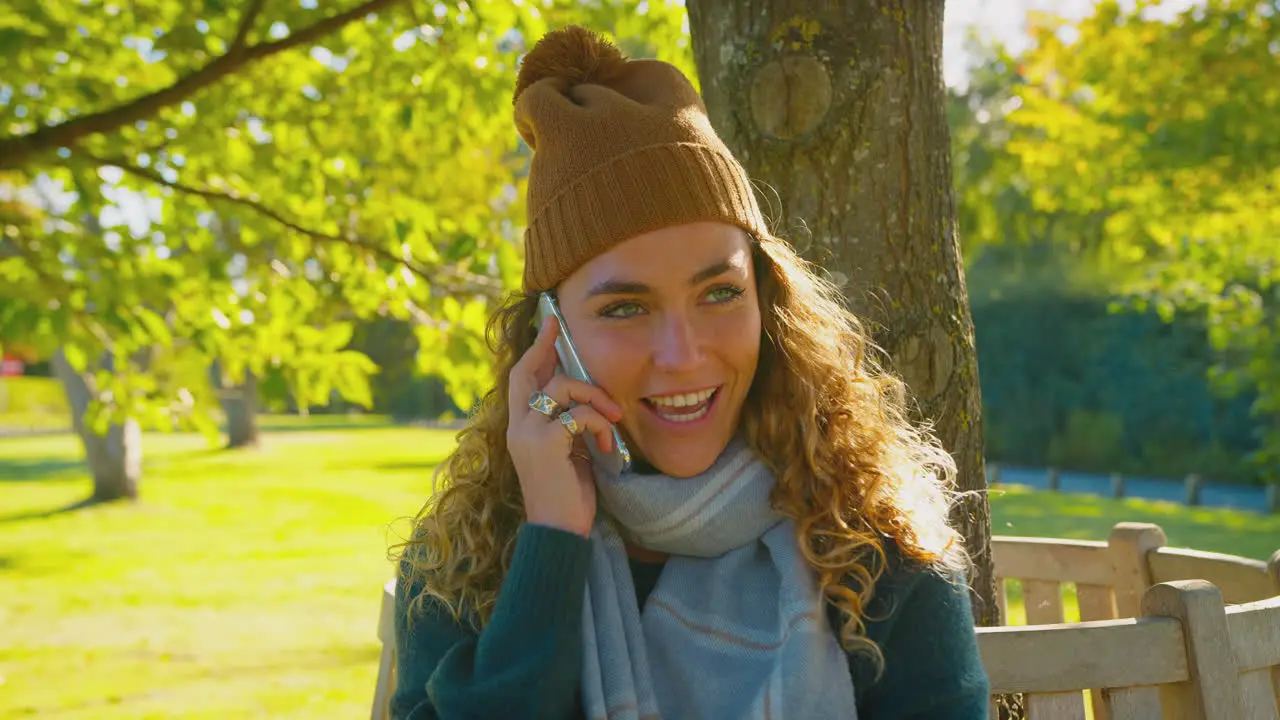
{"x": 75, "y": 357}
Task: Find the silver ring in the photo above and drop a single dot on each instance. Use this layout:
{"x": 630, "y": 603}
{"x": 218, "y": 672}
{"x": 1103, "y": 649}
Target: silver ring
{"x": 542, "y": 402}
{"x": 570, "y": 424}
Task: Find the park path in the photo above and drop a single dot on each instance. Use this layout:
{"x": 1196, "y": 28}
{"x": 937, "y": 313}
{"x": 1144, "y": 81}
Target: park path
{"x": 1239, "y": 497}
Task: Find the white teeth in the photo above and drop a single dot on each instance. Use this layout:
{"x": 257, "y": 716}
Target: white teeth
{"x": 685, "y": 400}
{"x": 687, "y": 417}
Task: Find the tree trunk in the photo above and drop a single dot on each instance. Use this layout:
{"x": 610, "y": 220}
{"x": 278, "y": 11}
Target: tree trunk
{"x": 240, "y": 405}
{"x": 115, "y": 459}
{"x": 839, "y": 108}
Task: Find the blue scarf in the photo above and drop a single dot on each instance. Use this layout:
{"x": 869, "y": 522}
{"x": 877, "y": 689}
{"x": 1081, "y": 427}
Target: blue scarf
{"x": 735, "y": 628}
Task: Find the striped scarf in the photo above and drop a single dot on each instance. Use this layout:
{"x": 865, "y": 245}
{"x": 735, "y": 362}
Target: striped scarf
{"x": 735, "y": 628}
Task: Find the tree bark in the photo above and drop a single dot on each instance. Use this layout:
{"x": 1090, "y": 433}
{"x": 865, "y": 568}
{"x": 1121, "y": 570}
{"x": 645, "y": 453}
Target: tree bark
{"x": 240, "y": 405}
{"x": 114, "y": 459}
{"x": 838, "y": 108}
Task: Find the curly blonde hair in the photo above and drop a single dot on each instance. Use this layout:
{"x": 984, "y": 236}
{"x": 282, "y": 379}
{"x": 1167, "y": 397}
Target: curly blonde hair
{"x": 852, "y": 470}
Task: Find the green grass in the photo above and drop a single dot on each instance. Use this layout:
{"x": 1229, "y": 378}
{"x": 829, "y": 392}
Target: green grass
{"x": 32, "y": 403}
{"x": 243, "y": 585}
{"x": 247, "y": 584}
{"x": 1019, "y": 511}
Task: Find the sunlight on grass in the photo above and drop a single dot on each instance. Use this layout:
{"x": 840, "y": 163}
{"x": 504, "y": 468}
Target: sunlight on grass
{"x": 245, "y": 584}
{"x": 1017, "y": 510}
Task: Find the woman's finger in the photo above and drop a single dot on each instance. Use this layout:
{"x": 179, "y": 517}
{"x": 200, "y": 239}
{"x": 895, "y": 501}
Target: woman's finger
{"x": 536, "y": 367}
{"x": 589, "y": 422}
{"x": 567, "y": 391}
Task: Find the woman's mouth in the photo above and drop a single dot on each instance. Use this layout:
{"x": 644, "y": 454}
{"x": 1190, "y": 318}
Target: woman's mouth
{"x": 683, "y": 407}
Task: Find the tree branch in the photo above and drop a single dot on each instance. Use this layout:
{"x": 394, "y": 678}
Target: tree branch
{"x": 246, "y": 24}
{"x": 481, "y": 284}
{"x": 15, "y": 150}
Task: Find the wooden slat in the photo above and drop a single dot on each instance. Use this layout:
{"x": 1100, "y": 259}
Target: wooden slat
{"x": 1255, "y": 634}
{"x": 1097, "y": 700}
{"x": 1055, "y": 706}
{"x": 1212, "y": 689}
{"x": 1273, "y": 570}
{"x": 1129, "y": 544}
{"x": 1134, "y": 703}
{"x": 1241, "y": 580}
{"x": 385, "y": 684}
{"x": 1095, "y": 602}
{"x": 1081, "y": 561}
{"x": 1076, "y": 656}
{"x": 1259, "y": 695}
{"x": 387, "y": 613}
{"x": 1043, "y": 599}
{"x": 1275, "y": 683}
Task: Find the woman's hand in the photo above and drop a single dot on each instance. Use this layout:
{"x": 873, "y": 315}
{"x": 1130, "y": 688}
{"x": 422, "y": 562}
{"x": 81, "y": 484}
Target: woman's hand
{"x": 553, "y": 465}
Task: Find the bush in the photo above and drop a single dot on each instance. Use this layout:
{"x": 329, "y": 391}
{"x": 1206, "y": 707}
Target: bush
{"x": 1068, "y": 382}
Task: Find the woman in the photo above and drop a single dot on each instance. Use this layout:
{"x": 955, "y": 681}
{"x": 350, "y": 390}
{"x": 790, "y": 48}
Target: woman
{"x": 780, "y": 548}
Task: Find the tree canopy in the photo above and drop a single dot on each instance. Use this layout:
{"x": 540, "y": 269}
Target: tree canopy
{"x": 242, "y": 182}
{"x": 1145, "y": 141}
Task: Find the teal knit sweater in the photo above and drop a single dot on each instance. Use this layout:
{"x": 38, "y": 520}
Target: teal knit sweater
{"x": 527, "y": 661}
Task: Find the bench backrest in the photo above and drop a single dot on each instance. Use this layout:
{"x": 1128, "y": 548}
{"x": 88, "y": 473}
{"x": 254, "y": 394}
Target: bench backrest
{"x": 386, "y": 681}
{"x": 1109, "y": 578}
{"x": 1255, "y": 642}
{"x": 1190, "y": 656}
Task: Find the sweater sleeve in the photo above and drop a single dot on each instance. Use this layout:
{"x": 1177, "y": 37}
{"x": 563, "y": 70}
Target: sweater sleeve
{"x": 932, "y": 670}
{"x": 526, "y": 661}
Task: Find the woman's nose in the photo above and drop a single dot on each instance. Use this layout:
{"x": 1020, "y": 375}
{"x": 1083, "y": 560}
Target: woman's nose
{"x": 677, "y": 346}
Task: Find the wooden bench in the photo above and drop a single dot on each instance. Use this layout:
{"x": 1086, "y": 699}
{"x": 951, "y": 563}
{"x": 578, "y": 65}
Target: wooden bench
{"x": 1110, "y": 580}
{"x": 1189, "y": 656}
{"x": 386, "y": 682}
{"x": 1110, "y": 577}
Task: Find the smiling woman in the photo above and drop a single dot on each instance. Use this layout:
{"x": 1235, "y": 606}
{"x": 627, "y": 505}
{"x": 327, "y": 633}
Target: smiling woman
{"x": 669, "y": 322}
{"x": 780, "y": 547}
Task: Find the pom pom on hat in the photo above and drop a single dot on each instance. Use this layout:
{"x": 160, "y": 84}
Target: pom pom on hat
{"x": 573, "y": 53}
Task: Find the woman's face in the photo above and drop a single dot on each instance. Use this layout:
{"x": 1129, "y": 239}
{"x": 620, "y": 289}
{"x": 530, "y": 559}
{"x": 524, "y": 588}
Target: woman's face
{"x": 668, "y": 323}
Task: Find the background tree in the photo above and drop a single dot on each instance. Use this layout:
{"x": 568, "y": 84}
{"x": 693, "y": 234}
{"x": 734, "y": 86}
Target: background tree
{"x": 363, "y": 153}
{"x": 1073, "y": 375}
{"x": 839, "y": 110}
{"x": 1148, "y": 135}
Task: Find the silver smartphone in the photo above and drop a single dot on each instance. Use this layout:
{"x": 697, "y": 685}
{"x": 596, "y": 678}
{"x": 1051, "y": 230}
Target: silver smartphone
{"x": 619, "y": 460}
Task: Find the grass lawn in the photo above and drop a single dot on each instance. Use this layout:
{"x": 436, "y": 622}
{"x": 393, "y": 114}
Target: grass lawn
{"x": 243, "y": 585}
{"x": 246, "y": 584}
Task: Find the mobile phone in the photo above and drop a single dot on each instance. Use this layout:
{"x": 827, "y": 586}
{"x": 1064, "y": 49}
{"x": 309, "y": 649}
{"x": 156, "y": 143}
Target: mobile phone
{"x": 619, "y": 460}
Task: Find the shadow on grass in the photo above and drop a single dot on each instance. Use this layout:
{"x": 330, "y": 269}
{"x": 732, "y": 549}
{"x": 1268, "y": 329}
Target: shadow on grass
{"x": 38, "y": 469}
{"x": 64, "y": 510}
{"x": 427, "y": 465}
{"x": 336, "y": 424}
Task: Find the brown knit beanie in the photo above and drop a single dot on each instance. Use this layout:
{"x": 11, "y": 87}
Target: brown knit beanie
{"x": 621, "y": 147}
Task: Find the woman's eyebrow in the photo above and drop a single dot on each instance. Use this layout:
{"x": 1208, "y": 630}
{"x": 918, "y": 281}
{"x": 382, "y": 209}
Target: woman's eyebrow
{"x": 615, "y": 286}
